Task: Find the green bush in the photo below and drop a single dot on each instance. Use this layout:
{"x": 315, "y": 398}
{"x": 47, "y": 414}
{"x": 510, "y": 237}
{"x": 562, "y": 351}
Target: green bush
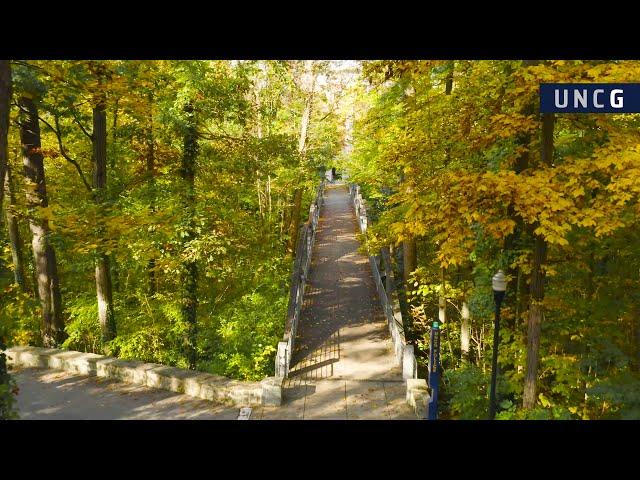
{"x": 466, "y": 393}
{"x": 7, "y": 386}
{"x": 244, "y": 336}
{"x": 82, "y": 326}
{"x": 20, "y": 318}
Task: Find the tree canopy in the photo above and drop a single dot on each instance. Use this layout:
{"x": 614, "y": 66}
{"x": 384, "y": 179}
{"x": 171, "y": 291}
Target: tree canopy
{"x": 151, "y": 210}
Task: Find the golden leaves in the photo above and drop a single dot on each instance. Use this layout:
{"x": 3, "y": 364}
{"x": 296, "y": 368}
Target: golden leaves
{"x": 491, "y": 122}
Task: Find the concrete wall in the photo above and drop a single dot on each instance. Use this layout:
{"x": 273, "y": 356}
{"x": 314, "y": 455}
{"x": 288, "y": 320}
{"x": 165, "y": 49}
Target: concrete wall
{"x": 195, "y": 384}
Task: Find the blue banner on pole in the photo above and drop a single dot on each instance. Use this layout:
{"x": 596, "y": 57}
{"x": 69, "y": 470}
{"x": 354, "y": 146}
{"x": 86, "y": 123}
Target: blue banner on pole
{"x": 590, "y": 97}
{"x": 434, "y": 370}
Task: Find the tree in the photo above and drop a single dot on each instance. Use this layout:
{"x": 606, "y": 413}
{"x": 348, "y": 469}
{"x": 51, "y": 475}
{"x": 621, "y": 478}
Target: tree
{"x": 104, "y": 288}
{"x": 302, "y": 149}
{"x": 190, "y": 267}
{"x": 53, "y": 333}
{"x": 489, "y": 185}
{"x": 14, "y": 231}
{"x": 5, "y": 101}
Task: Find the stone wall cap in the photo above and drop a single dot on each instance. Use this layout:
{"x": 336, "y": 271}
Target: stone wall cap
{"x": 417, "y": 384}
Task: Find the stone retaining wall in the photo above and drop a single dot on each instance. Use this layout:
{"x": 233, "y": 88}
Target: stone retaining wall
{"x": 189, "y": 382}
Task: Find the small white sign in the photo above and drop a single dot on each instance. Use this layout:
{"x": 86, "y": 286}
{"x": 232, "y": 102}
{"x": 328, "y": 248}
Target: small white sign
{"x": 245, "y": 413}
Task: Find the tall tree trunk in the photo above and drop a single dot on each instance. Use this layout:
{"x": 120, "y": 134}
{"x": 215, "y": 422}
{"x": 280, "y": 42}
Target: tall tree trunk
{"x": 534, "y": 324}
{"x": 516, "y": 294}
{"x": 190, "y": 268}
{"x": 5, "y": 102}
{"x": 409, "y": 259}
{"x": 302, "y": 147}
{"x": 14, "y": 232}
{"x": 536, "y": 310}
{"x": 104, "y": 289}
{"x": 521, "y": 164}
{"x": 409, "y": 246}
{"x": 48, "y": 284}
{"x": 151, "y": 167}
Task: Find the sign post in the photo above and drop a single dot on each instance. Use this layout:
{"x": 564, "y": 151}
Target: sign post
{"x": 434, "y": 370}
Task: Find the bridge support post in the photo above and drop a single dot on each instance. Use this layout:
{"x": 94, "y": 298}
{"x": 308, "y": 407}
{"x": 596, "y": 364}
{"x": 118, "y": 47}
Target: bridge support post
{"x": 281, "y": 360}
{"x": 418, "y": 396}
{"x": 409, "y": 366}
{"x": 272, "y": 391}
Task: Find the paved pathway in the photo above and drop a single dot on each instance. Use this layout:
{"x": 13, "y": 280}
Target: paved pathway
{"x": 57, "y": 395}
{"x": 343, "y": 366}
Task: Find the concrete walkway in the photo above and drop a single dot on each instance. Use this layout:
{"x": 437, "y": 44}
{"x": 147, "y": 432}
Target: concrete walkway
{"x": 343, "y": 366}
{"x": 57, "y": 395}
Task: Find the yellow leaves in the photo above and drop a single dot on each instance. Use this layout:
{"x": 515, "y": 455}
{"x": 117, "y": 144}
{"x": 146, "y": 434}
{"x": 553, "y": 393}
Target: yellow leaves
{"x": 500, "y": 228}
{"x": 556, "y": 239}
{"x": 587, "y": 222}
{"x": 414, "y": 207}
{"x": 549, "y": 270}
{"x": 544, "y": 401}
{"x": 578, "y": 191}
{"x": 608, "y": 227}
{"x": 593, "y": 184}
{"x": 512, "y": 124}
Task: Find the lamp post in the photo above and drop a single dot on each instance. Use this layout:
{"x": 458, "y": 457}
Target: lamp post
{"x": 499, "y": 284}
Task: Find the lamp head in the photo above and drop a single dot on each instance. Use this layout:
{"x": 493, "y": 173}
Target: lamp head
{"x": 499, "y": 282}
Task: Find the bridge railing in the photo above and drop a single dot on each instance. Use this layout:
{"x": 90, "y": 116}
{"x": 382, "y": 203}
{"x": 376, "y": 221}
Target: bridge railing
{"x": 387, "y": 293}
{"x": 301, "y": 265}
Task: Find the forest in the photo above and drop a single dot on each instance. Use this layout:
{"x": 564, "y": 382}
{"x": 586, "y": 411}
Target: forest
{"x": 150, "y": 211}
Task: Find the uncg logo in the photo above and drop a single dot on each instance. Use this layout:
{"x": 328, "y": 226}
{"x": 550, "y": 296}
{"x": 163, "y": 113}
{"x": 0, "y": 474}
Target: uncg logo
{"x": 581, "y": 98}
{"x": 589, "y": 98}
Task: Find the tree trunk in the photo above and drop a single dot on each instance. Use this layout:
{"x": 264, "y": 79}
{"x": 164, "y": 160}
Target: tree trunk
{"x": 536, "y": 311}
{"x": 54, "y": 285}
{"x": 409, "y": 259}
{"x": 48, "y": 284}
{"x": 295, "y": 220}
{"x": 151, "y": 167}
{"x": 534, "y": 322}
{"x": 521, "y": 164}
{"x": 465, "y": 331}
{"x": 14, "y": 232}
{"x": 306, "y": 114}
{"x": 104, "y": 290}
{"x": 5, "y": 102}
{"x": 302, "y": 147}
{"x": 190, "y": 272}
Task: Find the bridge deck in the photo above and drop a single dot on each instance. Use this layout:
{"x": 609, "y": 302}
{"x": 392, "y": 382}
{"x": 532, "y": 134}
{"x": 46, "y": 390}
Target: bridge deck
{"x": 343, "y": 350}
